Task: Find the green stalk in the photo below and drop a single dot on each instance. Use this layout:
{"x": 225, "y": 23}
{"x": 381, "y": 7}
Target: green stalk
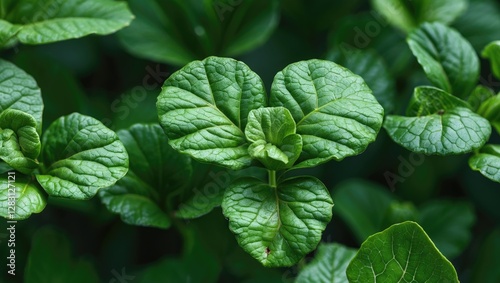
{"x": 272, "y": 178}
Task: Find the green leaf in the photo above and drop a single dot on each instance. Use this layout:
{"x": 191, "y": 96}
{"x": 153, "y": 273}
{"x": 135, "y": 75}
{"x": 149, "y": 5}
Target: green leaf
{"x": 203, "y": 109}
{"x": 372, "y": 68}
{"x": 80, "y": 156}
{"x": 179, "y": 31}
{"x": 329, "y": 265}
{"x": 362, "y": 205}
{"x": 448, "y": 60}
{"x": 407, "y": 15}
{"x": 490, "y": 109}
{"x": 335, "y": 111}
{"x": 156, "y": 172}
{"x": 19, "y": 140}
{"x": 448, "y": 224}
{"x": 40, "y": 22}
{"x": 443, "y": 125}
{"x": 50, "y": 260}
{"x": 7, "y": 34}
{"x": 19, "y": 91}
{"x": 479, "y": 95}
{"x": 492, "y": 52}
{"x": 20, "y": 196}
{"x": 487, "y": 162}
{"x": 278, "y": 226}
{"x": 272, "y": 133}
{"x": 403, "y": 252}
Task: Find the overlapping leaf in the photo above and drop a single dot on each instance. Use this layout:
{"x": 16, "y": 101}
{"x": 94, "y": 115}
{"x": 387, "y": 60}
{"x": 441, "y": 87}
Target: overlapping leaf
{"x": 278, "y": 226}
{"x": 20, "y": 197}
{"x": 156, "y": 171}
{"x": 80, "y": 156}
{"x": 448, "y": 60}
{"x": 490, "y": 109}
{"x": 335, "y": 111}
{"x": 204, "y": 107}
{"x": 487, "y": 162}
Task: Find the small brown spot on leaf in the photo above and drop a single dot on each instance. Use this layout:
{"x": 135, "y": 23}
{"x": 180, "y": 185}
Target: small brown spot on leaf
{"x": 441, "y": 112}
{"x": 268, "y": 251}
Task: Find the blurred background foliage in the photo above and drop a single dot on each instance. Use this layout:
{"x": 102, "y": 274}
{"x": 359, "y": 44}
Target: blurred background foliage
{"x": 117, "y": 78}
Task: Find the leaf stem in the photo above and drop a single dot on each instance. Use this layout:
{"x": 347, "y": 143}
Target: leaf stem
{"x": 272, "y": 178}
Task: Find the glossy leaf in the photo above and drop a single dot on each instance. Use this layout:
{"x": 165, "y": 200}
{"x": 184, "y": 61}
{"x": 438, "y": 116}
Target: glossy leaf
{"x": 19, "y": 91}
{"x": 272, "y": 133}
{"x": 178, "y": 31}
{"x": 39, "y": 22}
{"x": 278, "y": 226}
{"x": 335, "y": 111}
{"x": 362, "y": 206}
{"x": 20, "y": 196}
{"x": 19, "y": 140}
{"x": 490, "y": 109}
{"x": 487, "y": 162}
{"x": 492, "y": 52}
{"x": 448, "y": 224}
{"x": 80, "y": 156}
{"x": 50, "y": 260}
{"x": 371, "y": 67}
{"x": 448, "y": 60}
{"x": 402, "y": 252}
{"x": 329, "y": 265}
{"x": 445, "y": 126}
{"x": 156, "y": 171}
{"x": 407, "y": 15}
{"x": 203, "y": 109}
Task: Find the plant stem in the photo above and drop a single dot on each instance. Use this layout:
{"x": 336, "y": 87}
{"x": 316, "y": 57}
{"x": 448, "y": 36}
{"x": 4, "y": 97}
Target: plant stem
{"x": 272, "y": 178}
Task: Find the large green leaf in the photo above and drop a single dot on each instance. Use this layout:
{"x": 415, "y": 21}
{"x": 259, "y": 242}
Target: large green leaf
{"x": 80, "y": 156}
{"x": 407, "y": 15}
{"x": 448, "y": 59}
{"x": 19, "y": 140}
{"x": 490, "y": 109}
{"x": 401, "y": 253}
{"x": 20, "y": 196}
{"x": 203, "y": 109}
{"x": 156, "y": 171}
{"x": 329, "y": 265}
{"x": 278, "y": 226}
{"x": 372, "y": 68}
{"x": 19, "y": 91}
{"x": 362, "y": 205}
{"x": 487, "y": 162}
{"x": 442, "y": 125}
{"x": 50, "y": 260}
{"x": 39, "y": 22}
{"x": 274, "y": 141}
{"x": 180, "y": 31}
{"x": 492, "y": 52}
{"x": 335, "y": 111}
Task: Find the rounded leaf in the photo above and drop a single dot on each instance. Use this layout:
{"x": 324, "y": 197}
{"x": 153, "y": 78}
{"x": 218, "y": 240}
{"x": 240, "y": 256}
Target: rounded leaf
{"x": 487, "y": 162}
{"x": 80, "y": 156}
{"x": 278, "y": 226}
{"x": 20, "y": 196}
{"x": 203, "y": 109}
{"x": 335, "y": 111}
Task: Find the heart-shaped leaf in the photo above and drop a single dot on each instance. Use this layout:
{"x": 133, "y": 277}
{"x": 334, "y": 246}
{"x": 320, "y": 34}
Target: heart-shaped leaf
{"x": 203, "y": 109}
{"x": 401, "y": 253}
{"x": 445, "y": 126}
{"x": 492, "y": 52}
{"x": 448, "y": 59}
{"x": 20, "y": 197}
{"x": 335, "y": 111}
{"x": 487, "y": 162}
{"x": 80, "y": 156}
{"x": 19, "y": 140}
{"x": 407, "y": 15}
{"x": 272, "y": 133}
{"x": 156, "y": 171}
{"x": 39, "y": 22}
{"x": 19, "y": 91}
{"x": 329, "y": 265}
{"x": 278, "y": 226}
